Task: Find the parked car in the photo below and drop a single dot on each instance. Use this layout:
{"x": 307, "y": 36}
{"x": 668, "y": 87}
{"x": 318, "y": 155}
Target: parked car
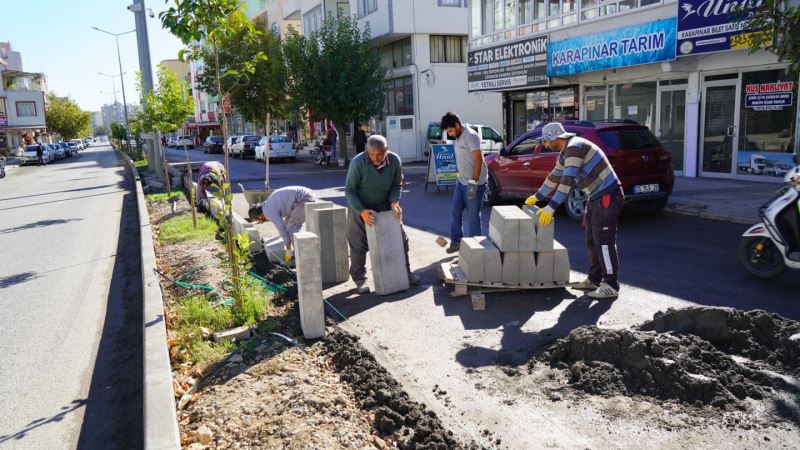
{"x": 643, "y": 165}
{"x": 232, "y": 140}
{"x": 79, "y": 143}
{"x": 491, "y": 140}
{"x": 29, "y": 154}
{"x": 183, "y": 141}
{"x": 57, "y": 151}
{"x": 278, "y": 147}
{"x": 73, "y": 147}
{"x": 213, "y": 144}
{"x": 87, "y": 142}
{"x": 245, "y": 146}
{"x": 67, "y": 150}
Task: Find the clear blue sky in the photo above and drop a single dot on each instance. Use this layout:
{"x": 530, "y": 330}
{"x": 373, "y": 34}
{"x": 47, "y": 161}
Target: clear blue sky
{"x": 56, "y": 37}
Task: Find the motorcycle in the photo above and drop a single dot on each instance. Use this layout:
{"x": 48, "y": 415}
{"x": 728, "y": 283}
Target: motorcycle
{"x": 2, "y": 166}
{"x": 769, "y": 247}
{"x": 320, "y": 154}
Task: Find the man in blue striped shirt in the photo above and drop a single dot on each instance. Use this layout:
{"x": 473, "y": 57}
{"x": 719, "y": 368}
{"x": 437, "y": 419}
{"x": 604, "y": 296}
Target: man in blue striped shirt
{"x": 583, "y": 165}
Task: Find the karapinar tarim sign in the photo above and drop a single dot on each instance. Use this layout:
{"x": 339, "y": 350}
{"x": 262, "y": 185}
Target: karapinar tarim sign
{"x": 514, "y": 65}
{"x": 630, "y": 46}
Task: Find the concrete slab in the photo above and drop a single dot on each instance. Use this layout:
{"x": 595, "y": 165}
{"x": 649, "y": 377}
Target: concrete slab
{"x": 309, "y": 284}
{"x": 234, "y": 334}
{"x": 480, "y": 260}
{"x": 387, "y": 255}
{"x": 309, "y": 209}
{"x": 544, "y": 234}
{"x": 519, "y": 268}
{"x": 544, "y": 267}
{"x": 330, "y": 224}
{"x": 511, "y": 229}
{"x": 510, "y": 273}
{"x": 478, "y": 301}
{"x": 560, "y": 263}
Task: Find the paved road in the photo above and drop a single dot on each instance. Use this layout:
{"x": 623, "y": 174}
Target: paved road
{"x": 684, "y": 257}
{"x": 70, "y": 293}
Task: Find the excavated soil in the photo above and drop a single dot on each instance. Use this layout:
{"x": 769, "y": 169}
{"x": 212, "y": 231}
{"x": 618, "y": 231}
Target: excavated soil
{"x": 695, "y": 356}
{"x": 411, "y": 424}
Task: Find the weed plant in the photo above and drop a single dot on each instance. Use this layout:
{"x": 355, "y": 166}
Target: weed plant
{"x": 181, "y": 229}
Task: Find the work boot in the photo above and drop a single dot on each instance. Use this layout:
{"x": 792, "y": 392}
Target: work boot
{"x": 413, "y": 279}
{"x": 794, "y": 256}
{"x": 585, "y": 285}
{"x": 604, "y": 291}
{"x": 453, "y": 248}
{"x": 361, "y": 286}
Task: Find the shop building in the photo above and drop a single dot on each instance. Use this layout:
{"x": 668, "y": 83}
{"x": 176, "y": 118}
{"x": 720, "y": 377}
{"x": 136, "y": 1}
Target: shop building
{"x": 22, "y": 109}
{"x": 722, "y": 110}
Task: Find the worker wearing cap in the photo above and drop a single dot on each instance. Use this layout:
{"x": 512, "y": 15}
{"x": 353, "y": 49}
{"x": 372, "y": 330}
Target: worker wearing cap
{"x": 286, "y": 208}
{"x": 212, "y": 174}
{"x": 583, "y": 165}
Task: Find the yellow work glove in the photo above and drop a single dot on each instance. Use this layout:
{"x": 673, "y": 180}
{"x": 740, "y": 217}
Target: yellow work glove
{"x": 545, "y": 215}
{"x": 531, "y": 201}
{"x": 288, "y": 255}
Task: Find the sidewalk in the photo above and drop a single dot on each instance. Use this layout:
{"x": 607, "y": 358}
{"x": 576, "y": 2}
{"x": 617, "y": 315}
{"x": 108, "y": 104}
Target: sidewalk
{"x": 718, "y": 199}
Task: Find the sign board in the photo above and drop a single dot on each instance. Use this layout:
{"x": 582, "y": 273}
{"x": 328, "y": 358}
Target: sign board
{"x": 226, "y": 104}
{"x": 3, "y": 117}
{"x": 630, "y": 46}
{"x": 442, "y": 168}
{"x": 769, "y": 96}
{"x": 515, "y": 65}
{"x": 706, "y": 26}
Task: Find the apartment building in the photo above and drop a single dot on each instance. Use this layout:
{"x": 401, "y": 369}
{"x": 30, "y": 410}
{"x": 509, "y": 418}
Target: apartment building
{"x": 22, "y": 108}
{"x": 683, "y": 69}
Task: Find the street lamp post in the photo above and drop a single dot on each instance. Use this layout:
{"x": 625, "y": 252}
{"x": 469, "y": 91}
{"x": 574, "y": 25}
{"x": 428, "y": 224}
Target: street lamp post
{"x": 114, "y": 87}
{"x": 122, "y": 81}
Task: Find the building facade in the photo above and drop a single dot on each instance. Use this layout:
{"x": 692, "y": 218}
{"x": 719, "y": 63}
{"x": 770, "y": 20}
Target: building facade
{"x": 22, "y": 109}
{"x": 683, "y": 69}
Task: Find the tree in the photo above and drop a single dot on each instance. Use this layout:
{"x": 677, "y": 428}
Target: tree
{"x": 779, "y": 22}
{"x": 65, "y": 117}
{"x": 100, "y": 130}
{"x": 258, "y": 96}
{"x": 198, "y": 23}
{"x": 118, "y": 131}
{"x": 336, "y": 73}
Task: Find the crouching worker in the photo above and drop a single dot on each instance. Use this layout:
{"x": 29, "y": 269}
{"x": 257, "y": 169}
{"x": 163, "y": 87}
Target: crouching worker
{"x": 286, "y": 208}
{"x": 212, "y": 176}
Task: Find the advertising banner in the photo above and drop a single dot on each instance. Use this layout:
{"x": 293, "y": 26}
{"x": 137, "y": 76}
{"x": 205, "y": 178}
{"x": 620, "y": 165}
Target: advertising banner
{"x": 706, "y": 26}
{"x": 514, "y": 65}
{"x": 630, "y": 46}
{"x": 769, "y": 96}
{"x": 443, "y": 169}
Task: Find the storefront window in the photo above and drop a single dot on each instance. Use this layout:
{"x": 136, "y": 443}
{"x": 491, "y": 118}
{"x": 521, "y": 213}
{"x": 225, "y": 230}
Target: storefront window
{"x": 596, "y": 103}
{"x": 634, "y": 101}
{"x": 767, "y": 121}
{"x": 535, "y": 108}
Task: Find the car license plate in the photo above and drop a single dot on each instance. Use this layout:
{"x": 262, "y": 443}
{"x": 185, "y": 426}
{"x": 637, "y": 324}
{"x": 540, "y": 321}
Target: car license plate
{"x": 645, "y": 188}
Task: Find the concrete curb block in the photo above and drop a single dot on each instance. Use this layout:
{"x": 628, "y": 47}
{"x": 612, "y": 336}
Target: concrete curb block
{"x": 707, "y": 216}
{"x": 160, "y": 420}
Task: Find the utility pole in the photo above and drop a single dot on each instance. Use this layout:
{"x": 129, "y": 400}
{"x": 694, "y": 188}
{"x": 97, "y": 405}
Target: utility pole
{"x": 122, "y": 81}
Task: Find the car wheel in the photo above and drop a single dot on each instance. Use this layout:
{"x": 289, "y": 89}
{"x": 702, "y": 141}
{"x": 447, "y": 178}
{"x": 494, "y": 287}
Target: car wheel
{"x": 490, "y": 195}
{"x": 576, "y": 204}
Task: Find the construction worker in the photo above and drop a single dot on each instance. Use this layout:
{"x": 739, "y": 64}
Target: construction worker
{"x": 372, "y": 186}
{"x": 583, "y": 165}
{"x": 286, "y": 208}
{"x": 212, "y": 174}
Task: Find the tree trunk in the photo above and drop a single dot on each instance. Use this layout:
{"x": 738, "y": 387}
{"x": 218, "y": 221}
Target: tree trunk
{"x": 342, "y": 149}
{"x": 191, "y": 188}
{"x": 226, "y": 187}
{"x": 266, "y": 153}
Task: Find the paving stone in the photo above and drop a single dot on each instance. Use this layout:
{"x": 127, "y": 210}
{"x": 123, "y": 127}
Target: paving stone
{"x": 480, "y": 260}
{"x": 234, "y": 334}
{"x": 544, "y": 234}
{"x": 330, "y": 224}
{"x": 387, "y": 255}
{"x": 519, "y": 268}
{"x": 478, "y": 301}
{"x": 510, "y": 273}
{"x": 544, "y": 267}
{"x": 310, "y": 207}
{"x": 560, "y": 263}
{"x": 512, "y": 230}
{"x": 309, "y": 284}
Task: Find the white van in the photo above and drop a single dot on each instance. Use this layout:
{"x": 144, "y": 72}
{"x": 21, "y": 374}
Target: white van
{"x": 491, "y": 140}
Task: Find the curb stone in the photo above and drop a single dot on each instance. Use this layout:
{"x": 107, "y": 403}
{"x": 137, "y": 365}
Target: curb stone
{"x": 160, "y": 420}
{"x": 677, "y": 209}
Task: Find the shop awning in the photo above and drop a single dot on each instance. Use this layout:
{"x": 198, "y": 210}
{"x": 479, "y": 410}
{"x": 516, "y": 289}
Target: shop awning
{"x": 203, "y": 125}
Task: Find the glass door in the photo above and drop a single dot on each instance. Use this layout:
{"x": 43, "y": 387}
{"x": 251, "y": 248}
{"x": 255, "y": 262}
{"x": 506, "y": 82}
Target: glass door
{"x": 719, "y": 123}
{"x": 671, "y": 122}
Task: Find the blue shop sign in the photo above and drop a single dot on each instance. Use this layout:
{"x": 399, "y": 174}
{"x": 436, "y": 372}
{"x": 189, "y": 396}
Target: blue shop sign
{"x": 706, "y": 26}
{"x": 630, "y": 46}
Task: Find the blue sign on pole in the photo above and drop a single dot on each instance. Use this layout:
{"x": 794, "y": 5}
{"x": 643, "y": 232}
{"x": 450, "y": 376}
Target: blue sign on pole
{"x": 444, "y": 164}
{"x": 630, "y": 46}
{"x": 706, "y": 26}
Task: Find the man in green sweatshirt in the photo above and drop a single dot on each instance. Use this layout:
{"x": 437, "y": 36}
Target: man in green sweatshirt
{"x": 372, "y": 186}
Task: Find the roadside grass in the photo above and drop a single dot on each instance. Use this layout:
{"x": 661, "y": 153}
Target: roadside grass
{"x": 141, "y": 165}
{"x": 181, "y": 229}
{"x": 156, "y": 197}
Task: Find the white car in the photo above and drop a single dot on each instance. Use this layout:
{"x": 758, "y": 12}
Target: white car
{"x": 245, "y": 146}
{"x": 79, "y": 142}
{"x": 279, "y": 147}
{"x": 57, "y": 150}
{"x": 232, "y": 140}
{"x": 491, "y": 141}
{"x": 183, "y": 141}
{"x": 29, "y": 154}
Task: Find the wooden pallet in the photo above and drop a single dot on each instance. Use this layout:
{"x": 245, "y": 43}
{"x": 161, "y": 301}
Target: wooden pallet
{"x": 452, "y": 274}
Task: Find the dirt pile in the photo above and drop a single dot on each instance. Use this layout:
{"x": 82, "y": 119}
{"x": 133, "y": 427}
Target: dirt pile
{"x": 756, "y": 335}
{"x": 412, "y": 425}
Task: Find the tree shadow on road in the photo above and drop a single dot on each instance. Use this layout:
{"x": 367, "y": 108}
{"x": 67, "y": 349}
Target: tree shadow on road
{"x": 39, "y": 224}
{"x": 21, "y": 434}
{"x": 88, "y": 188}
{"x": 19, "y": 278}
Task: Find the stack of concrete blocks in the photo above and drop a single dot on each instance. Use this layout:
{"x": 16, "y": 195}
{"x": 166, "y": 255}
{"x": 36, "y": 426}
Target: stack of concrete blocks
{"x": 309, "y": 284}
{"x": 514, "y": 233}
{"x": 552, "y": 258}
{"x": 480, "y": 260}
{"x": 329, "y": 222}
{"x": 387, "y": 254}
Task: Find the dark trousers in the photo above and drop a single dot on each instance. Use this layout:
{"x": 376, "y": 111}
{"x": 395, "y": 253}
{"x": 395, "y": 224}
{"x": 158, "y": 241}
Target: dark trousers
{"x": 357, "y": 240}
{"x": 600, "y": 222}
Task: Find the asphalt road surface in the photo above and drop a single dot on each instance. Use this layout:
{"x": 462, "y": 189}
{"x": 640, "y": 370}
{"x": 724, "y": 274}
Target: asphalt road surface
{"x": 70, "y": 293}
{"x": 683, "y": 257}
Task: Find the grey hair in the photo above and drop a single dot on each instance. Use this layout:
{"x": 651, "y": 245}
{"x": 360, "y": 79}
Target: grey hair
{"x": 377, "y": 142}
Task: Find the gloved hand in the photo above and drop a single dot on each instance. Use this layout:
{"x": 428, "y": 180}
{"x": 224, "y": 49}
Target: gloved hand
{"x": 398, "y": 211}
{"x": 367, "y": 216}
{"x": 545, "y": 215}
{"x": 472, "y": 189}
{"x": 288, "y": 255}
{"x": 531, "y": 201}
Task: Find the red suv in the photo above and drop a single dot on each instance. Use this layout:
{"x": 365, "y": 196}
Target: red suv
{"x": 643, "y": 165}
